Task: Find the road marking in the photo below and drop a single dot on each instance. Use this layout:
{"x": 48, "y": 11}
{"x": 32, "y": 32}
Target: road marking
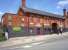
{"x": 30, "y": 45}
{"x": 27, "y": 46}
{"x": 37, "y": 43}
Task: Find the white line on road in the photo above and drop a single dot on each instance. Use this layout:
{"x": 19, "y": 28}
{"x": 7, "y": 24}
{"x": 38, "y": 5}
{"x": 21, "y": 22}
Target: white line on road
{"x": 31, "y": 45}
{"x": 27, "y": 46}
{"x": 37, "y": 43}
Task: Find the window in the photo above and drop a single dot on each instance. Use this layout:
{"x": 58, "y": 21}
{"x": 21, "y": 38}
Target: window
{"x": 38, "y": 25}
{"x": 9, "y": 17}
{"x": 22, "y": 19}
{"x": 9, "y": 23}
{"x": 31, "y": 23}
{"x": 22, "y": 25}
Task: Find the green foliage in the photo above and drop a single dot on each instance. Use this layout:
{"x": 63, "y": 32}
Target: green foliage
{"x": 17, "y": 29}
{"x": 2, "y": 37}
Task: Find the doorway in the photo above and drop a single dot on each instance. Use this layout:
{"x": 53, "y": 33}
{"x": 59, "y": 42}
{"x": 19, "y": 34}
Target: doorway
{"x": 38, "y": 31}
{"x": 54, "y": 27}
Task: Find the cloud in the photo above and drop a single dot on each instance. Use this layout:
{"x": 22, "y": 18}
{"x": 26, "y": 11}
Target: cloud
{"x": 1, "y": 12}
{"x": 62, "y": 3}
{"x": 11, "y": 11}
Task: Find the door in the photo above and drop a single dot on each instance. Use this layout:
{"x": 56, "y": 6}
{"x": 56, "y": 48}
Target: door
{"x": 54, "y": 27}
{"x": 38, "y": 31}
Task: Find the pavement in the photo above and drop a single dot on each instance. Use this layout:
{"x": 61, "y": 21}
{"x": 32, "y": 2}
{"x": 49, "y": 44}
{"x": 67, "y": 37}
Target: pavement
{"x": 33, "y": 39}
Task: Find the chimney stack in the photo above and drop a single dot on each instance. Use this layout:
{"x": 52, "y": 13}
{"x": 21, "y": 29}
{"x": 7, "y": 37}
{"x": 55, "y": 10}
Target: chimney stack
{"x": 23, "y": 3}
{"x": 65, "y": 12}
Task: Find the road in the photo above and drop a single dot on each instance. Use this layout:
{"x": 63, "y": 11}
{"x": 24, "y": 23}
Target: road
{"x": 56, "y": 45}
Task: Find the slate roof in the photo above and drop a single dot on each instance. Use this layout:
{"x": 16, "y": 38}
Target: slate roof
{"x": 42, "y": 13}
{"x": 9, "y": 14}
{"x": 37, "y": 12}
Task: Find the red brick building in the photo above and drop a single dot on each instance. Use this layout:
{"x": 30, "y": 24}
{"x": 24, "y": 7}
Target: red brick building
{"x": 34, "y": 21}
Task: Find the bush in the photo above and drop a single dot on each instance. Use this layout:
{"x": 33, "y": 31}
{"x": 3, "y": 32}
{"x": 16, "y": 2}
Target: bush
{"x": 2, "y": 37}
{"x": 16, "y": 29}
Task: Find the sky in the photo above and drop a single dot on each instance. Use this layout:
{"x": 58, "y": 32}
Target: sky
{"x": 52, "y": 6}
